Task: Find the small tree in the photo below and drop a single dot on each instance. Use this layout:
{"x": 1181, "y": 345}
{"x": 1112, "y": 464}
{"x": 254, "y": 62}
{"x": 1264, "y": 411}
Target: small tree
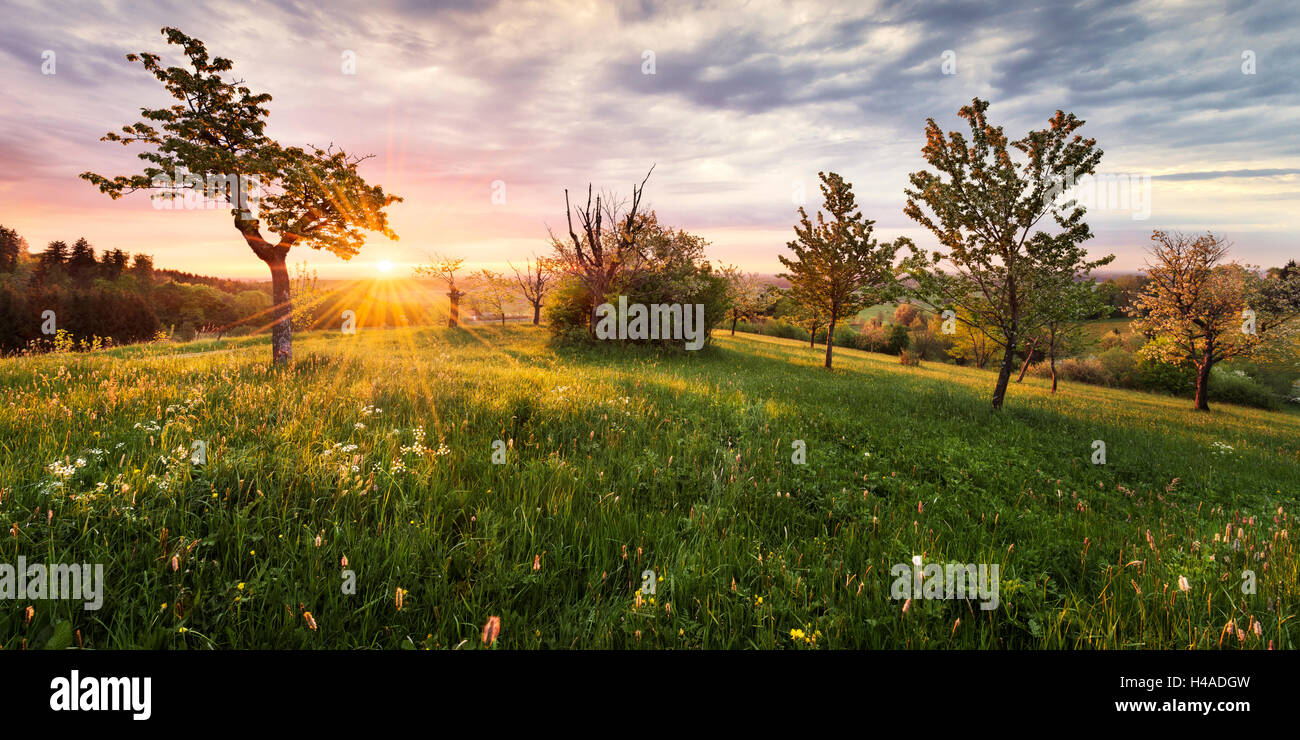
{"x": 445, "y": 269}
{"x": 807, "y": 314}
{"x": 838, "y": 269}
{"x": 534, "y": 283}
{"x": 985, "y": 208}
{"x": 306, "y": 295}
{"x": 495, "y": 292}
{"x": 1062, "y": 328}
{"x": 1205, "y": 311}
{"x": 213, "y": 142}
{"x": 744, "y": 293}
{"x": 971, "y": 342}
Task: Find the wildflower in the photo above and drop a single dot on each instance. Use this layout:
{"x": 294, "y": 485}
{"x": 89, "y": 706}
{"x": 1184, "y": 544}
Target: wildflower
{"x": 343, "y": 562}
{"x": 311, "y": 621}
{"x": 318, "y": 537}
{"x": 907, "y": 605}
{"x": 537, "y": 562}
{"x": 28, "y": 614}
{"x": 240, "y": 585}
{"x": 176, "y": 563}
{"x": 1182, "y": 584}
{"x": 491, "y": 630}
{"x": 399, "y": 598}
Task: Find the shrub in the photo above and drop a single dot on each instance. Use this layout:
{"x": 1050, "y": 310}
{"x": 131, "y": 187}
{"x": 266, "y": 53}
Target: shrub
{"x": 566, "y": 307}
{"x": 905, "y": 314}
{"x": 910, "y": 359}
{"x": 1157, "y": 375}
{"x": 873, "y": 337}
{"x": 1079, "y": 370}
{"x": 1235, "y": 386}
{"x": 897, "y": 339}
{"x": 1120, "y": 364}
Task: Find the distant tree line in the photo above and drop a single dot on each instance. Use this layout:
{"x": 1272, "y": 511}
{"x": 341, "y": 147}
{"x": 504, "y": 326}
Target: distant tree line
{"x": 76, "y": 295}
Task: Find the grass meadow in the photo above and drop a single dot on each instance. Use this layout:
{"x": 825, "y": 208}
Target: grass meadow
{"x": 369, "y": 461}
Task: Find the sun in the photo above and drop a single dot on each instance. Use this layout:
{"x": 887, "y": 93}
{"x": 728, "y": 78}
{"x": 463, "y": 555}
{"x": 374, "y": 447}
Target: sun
{"x": 384, "y": 266}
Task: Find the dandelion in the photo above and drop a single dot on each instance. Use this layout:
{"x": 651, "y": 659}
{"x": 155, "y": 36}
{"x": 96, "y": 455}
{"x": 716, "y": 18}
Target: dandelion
{"x": 491, "y": 630}
{"x": 240, "y": 585}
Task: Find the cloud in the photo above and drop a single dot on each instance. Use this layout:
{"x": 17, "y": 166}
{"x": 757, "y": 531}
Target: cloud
{"x": 747, "y": 102}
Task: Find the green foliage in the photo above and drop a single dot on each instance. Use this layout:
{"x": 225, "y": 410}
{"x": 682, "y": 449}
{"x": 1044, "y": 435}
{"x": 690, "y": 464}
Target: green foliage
{"x": 837, "y": 268}
{"x": 1235, "y": 386}
{"x": 898, "y": 339}
{"x": 989, "y": 210}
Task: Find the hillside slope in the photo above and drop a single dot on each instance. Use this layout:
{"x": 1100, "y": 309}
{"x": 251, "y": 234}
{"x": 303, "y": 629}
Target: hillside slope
{"x": 378, "y": 448}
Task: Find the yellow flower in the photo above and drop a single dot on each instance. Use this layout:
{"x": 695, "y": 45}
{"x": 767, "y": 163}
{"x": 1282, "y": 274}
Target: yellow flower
{"x": 240, "y": 586}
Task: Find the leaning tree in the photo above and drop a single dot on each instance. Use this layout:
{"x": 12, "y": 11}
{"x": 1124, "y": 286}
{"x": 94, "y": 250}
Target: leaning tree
{"x": 213, "y": 144}
{"x": 1004, "y": 222}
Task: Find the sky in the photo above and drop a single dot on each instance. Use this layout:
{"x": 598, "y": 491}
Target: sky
{"x": 737, "y": 105}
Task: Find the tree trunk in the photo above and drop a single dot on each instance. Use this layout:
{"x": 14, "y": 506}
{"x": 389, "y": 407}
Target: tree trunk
{"x": 733, "y": 325}
{"x": 1028, "y": 356}
{"x": 1052, "y": 360}
{"x": 1004, "y": 373}
{"x": 812, "y": 338}
{"x": 454, "y": 319}
{"x": 1203, "y": 386}
{"x": 282, "y": 311}
{"x": 537, "y": 314}
{"x": 830, "y": 339}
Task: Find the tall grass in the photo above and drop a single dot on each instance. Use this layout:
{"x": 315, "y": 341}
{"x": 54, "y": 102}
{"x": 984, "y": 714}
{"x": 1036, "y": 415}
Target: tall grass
{"x": 378, "y": 448}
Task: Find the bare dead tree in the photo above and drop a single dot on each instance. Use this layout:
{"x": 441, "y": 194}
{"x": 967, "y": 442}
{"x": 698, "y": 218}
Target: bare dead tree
{"x": 534, "y": 283}
{"x": 607, "y": 244}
